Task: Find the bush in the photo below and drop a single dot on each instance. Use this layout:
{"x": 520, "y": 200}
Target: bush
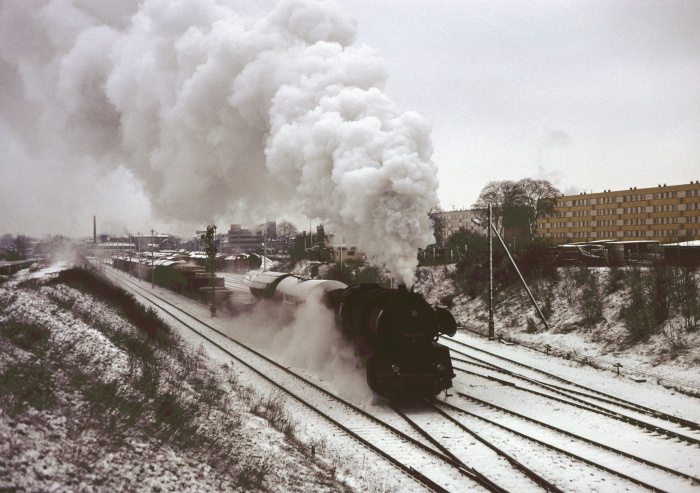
{"x": 591, "y": 302}
{"x": 543, "y": 291}
{"x": 537, "y": 261}
{"x": 29, "y": 337}
{"x": 616, "y": 279}
{"x": 24, "y": 385}
{"x": 686, "y": 296}
{"x": 637, "y": 314}
{"x": 471, "y": 275}
{"x": 146, "y": 319}
{"x": 658, "y": 288}
{"x": 582, "y": 275}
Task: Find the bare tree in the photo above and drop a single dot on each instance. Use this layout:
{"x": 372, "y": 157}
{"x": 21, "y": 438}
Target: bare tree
{"x": 539, "y": 197}
{"x": 22, "y": 245}
{"x": 285, "y": 231}
{"x": 504, "y": 197}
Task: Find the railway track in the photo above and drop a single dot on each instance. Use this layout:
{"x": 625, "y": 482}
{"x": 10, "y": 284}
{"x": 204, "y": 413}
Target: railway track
{"x": 424, "y": 463}
{"x": 461, "y": 443}
{"x": 471, "y": 444}
{"x": 638, "y": 450}
{"x": 573, "y": 393}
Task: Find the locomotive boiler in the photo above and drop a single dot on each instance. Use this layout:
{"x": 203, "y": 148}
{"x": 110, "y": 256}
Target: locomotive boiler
{"x": 394, "y": 331}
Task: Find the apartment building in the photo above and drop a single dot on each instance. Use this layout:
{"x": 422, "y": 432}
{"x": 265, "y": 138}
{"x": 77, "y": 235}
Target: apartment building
{"x": 454, "y": 220}
{"x": 666, "y": 213}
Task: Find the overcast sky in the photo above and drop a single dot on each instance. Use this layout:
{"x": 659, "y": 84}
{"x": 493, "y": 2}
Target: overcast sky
{"x": 590, "y": 95}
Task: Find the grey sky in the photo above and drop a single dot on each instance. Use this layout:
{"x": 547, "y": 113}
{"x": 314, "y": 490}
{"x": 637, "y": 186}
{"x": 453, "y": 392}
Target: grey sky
{"x": 590, "y": 95}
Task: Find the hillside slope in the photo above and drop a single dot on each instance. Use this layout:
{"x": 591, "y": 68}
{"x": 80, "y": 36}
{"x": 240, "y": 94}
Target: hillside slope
{"x": 89, "y": 401}
{"x": 671, "y": 354}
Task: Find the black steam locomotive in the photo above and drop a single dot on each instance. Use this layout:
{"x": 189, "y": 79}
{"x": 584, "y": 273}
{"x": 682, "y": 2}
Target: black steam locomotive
{"x": 395, "y": 331}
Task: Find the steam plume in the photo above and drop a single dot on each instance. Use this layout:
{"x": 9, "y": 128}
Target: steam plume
{"x": 218, "y": 107}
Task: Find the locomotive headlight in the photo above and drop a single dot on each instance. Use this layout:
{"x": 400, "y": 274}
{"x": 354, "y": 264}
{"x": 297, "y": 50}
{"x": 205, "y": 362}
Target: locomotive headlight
{"x": 395, "y": 368}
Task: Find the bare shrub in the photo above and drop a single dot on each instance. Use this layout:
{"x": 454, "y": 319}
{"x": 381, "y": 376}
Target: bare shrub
{"x": 658, "y": 288}
{"x": 686, "y": 296}
{"x": 27, "y": 336}
{"x": 616, "y": 279}
{"x": 590, "y": 305}
{"x": 636, "y": 313}
{"x": 24, "y": 385}
{"x": 582, "y": 275}
{"x": 272, "y": 408}
{"x": 568, "y": 284}
{"x": 674, "y": 335}
{"x": 543, "y": 291}
{"x": 252, "y": 474}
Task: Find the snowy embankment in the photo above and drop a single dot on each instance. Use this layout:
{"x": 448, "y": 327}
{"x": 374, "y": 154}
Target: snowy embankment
{"x": 658, "y": 358}
{"x": 89, "y": 403}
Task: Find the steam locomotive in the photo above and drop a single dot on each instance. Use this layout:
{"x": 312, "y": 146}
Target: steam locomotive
{"x": 394, "y": 331}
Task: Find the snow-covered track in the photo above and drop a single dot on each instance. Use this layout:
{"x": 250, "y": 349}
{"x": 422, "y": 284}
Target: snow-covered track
{"x": 456, "y": 440}
{"x": 623, "y": 410}
{"x": 627, "y": 466}
{"x": 434, "y": 470}
{"x": 570, "y": 397}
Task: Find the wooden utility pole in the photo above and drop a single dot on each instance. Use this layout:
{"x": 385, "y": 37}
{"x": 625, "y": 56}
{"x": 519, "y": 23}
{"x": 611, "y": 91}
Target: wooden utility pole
{"x": 208, "y": 237}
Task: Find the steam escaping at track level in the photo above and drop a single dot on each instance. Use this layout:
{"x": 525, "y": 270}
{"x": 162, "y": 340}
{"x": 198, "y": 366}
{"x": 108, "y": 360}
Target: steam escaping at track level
{"x": 305, "y": 339}
{"x": 218, "y": 109}
{"x": 394, "y": 331}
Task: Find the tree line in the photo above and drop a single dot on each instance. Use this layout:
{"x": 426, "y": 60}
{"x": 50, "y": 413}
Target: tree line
{"x": 516, "y": 207}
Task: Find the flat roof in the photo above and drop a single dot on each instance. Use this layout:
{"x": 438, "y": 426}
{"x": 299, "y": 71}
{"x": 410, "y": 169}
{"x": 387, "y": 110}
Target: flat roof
{"x": 627, "y": 242}
{"x": 691, "y": 243}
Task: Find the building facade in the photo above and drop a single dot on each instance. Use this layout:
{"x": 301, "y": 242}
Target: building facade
{"x": 454, "y": 220}
{"x": 242, "y": 240}
{"x": 664, "y": 213}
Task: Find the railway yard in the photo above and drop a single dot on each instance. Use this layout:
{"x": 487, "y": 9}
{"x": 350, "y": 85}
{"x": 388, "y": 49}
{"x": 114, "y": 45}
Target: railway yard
{"x": 515, "y": 420}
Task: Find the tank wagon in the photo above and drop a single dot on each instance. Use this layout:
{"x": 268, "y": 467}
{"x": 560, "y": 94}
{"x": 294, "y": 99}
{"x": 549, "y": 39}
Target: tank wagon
{"x": 394, "y": 331}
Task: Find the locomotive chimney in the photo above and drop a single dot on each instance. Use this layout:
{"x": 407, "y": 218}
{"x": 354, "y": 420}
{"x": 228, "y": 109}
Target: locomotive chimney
{"x": 402, "y": 289}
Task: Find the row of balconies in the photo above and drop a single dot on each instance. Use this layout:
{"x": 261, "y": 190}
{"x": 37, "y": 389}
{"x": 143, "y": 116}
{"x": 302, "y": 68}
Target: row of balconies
{"x": 648, "y": 218}
{"x": 623, "y": 227}
{"x": 692, "y": 202}
{"x": 678, "y": 191}
{"x": 647, "y": 211}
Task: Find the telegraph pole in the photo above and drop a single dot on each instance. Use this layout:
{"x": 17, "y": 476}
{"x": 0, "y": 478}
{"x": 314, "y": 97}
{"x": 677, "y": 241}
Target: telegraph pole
{"x": 492, "y": 331}
{"x": 153, "y": 272}
{"x": 208, "y": 237}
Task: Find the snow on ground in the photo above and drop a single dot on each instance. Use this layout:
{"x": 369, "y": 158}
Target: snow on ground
{"x": 47, "y": 448}
{"x": 39, "y": 452}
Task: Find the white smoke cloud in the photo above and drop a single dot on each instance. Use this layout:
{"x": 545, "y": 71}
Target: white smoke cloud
{"x": 218, "y": 109}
